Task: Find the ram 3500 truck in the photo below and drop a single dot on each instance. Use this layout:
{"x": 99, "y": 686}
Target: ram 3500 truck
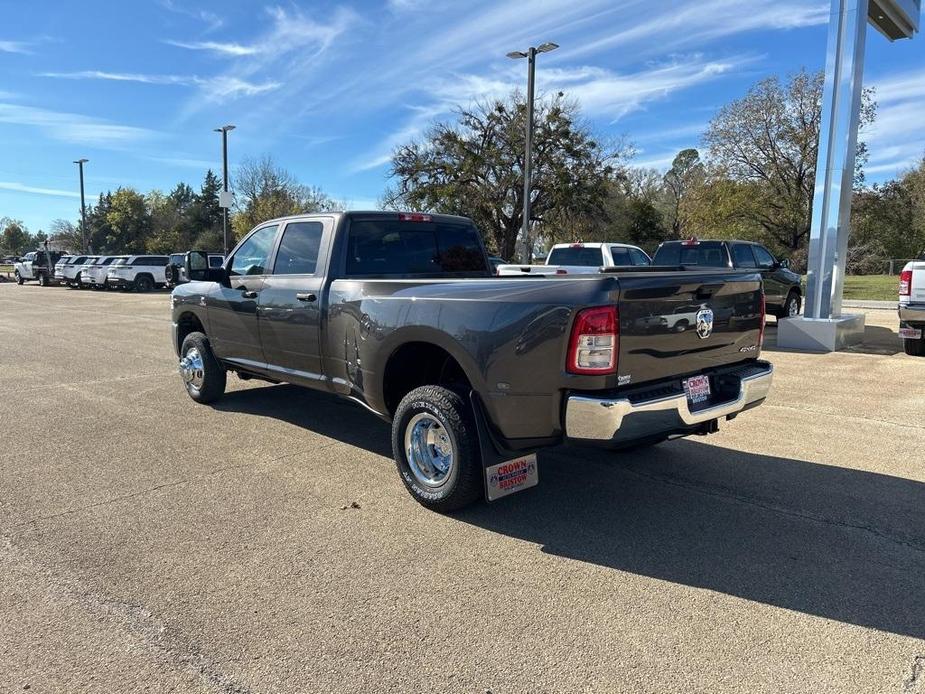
{"x": 912, "y": 307}
{"x": 400, "y": 313}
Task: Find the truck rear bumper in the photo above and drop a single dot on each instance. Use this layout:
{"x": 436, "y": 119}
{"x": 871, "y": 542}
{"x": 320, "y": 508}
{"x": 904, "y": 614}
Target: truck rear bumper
{"x": 912, "y": 313}
{"x": 620, "y": 420}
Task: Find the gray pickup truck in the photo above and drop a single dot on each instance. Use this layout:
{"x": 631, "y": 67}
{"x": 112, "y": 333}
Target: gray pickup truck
{"x": 400, "y": 313}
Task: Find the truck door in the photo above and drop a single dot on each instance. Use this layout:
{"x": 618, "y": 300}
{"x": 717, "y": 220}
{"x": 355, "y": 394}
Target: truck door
{"x": 290, "y": 304}
{"x": 233, "y": 329}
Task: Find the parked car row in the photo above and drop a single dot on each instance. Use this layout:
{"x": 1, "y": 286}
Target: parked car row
{"x": 126, "y": 272}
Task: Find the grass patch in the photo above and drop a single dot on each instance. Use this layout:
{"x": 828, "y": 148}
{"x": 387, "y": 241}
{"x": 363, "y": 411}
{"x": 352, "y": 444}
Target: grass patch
{"x": 6, "y": 268}
{"x": 870, "y": 287}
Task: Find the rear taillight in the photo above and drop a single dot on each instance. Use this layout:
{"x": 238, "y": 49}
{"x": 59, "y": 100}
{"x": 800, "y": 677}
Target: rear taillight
{"x": 764, "y": 312}
{"x": 905, "y": 283}
{"x": 594, "y": 342}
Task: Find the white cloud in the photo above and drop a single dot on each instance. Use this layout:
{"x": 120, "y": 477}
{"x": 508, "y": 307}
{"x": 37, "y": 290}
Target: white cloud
{"x": 211, "y": 20}
{"x": 22, "y": 188}
{"x": 699, "y": 22}
{"x": 227, "y": 49}
{"x": 14, "y": 47}
{"x": 74, "y": 128}
{"x": 896, "y": 140}
{"x": 215, "y": 88}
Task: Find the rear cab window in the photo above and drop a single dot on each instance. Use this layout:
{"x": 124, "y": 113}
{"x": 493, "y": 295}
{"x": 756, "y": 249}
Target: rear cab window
{"x": 701, "y": 253}
{"x": 411, "y": 247}
{"x": 578, "y": 256}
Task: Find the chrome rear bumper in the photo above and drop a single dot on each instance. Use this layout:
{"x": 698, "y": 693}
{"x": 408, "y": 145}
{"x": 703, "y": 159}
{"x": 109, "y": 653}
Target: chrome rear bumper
{"x": 619, "y": 420}
{"x": 912, "y": 313}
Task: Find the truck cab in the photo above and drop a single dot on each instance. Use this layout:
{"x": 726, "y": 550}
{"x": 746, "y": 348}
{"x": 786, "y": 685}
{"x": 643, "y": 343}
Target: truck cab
{"x": 37, "y": 266}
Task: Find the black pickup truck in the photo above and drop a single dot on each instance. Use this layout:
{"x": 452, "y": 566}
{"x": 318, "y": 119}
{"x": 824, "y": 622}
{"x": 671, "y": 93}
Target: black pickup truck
{"x": 400, "y": 313}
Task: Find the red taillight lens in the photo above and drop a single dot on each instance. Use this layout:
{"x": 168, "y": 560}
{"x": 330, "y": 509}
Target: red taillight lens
{"x": 905, "y": 283}
{"x": 413, "y": 217}
{"x": 594, "y": 342}
{"x": 764, "y": 312}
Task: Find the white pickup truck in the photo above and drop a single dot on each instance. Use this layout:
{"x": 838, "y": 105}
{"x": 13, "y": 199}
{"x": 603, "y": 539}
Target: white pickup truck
{"x": 912, "y": 307}
{"x": 582, "y": 259}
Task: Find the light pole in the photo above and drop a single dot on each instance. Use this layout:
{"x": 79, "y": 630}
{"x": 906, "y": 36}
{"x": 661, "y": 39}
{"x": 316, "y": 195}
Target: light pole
{"x": 530, "y": 55}
{"x": 224, "y": 130}
{"x": 83, "y": 208}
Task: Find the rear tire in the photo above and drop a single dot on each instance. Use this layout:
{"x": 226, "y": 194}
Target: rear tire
{"x": 914, "y": 348}
{"x": 430, "y": 422}
{"x": 203, "y": 375}
{"x": 19, "y": 279}
{"x": 143, "y": 284}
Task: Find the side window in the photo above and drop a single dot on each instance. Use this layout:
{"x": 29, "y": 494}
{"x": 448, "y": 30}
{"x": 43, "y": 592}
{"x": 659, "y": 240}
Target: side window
{"x": 742, "y": 255}
{"x": 765, "y": 259}
{"x": 639, "y": 258}
{"x": 214, "y": 261}
{"x": 621, "y": 256}
{"x": 298, "y": 249}
{"x": 141, "y": 261}
{"x": 251, "y": 258}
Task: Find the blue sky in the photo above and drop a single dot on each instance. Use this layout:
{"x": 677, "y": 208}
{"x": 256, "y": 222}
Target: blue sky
{"x": 328, "y": 88}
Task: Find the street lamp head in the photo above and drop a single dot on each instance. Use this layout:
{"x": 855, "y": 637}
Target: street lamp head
{"x": 516, "y": 55}
{"x": 81, "y": 161}
{"x": 547, "y": 47}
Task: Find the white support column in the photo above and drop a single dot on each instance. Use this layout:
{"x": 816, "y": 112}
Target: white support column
{"x": 824, "y": 328}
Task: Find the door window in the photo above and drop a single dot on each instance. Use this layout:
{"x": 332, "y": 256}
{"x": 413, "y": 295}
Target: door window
{"x": 621, "y": 256}
{"x": 639, "y": 258}
{"x": 298, "y": 249}
{"x": 742, "y": 255}
{"x": 765, "y": 259}
{"x": 251, "y": 258}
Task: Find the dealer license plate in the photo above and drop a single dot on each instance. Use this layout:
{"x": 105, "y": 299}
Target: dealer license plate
{"x": 697, "y": 389}
{"x": 910, "y": 333}
{"x": 511, "y": 476}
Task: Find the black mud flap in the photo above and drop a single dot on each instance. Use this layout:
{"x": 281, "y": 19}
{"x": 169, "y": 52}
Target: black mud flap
{"x": 504, "y": 471}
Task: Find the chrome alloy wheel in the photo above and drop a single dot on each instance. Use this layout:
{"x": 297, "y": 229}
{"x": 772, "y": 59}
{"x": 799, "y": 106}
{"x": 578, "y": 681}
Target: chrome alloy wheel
{"x": 429, "y": 450}
{"x": 191, "y": 369}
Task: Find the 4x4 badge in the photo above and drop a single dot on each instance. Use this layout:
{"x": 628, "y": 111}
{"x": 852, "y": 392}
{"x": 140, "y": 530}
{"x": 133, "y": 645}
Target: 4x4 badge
{"x": 704, "y": 323}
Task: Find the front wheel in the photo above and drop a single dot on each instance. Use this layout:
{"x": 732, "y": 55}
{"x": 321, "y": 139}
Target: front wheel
{"x": 434, "y": 442}
{"x": 791, "y": 307}
{"x": 202, "y": 374}
{"x": 19, "y": 279}
{"x": 144, "y": 284}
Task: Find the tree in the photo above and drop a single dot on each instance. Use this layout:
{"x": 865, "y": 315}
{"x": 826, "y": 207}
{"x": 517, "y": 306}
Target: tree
{"x": 15, "y": 239}
{"x": 769, "y": 139}
{"x": 66, "y": 235}
{"x": 265, "y": 190}
{"x": 474, "y": 167}
{"x": 682, "y": 181}
{"x": 124, "y": 222}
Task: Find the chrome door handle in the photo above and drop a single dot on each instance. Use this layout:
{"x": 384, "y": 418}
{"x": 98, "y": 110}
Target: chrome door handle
{"x": 248, "y": 294}
{"x": 306, "y": 297}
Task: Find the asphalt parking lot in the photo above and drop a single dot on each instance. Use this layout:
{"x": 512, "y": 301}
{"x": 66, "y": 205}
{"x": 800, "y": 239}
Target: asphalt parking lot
{"x": 267, "y": 545}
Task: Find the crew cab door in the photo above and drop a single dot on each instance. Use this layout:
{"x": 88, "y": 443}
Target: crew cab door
{"x": 743, "y": 257}
{"x": 290, "y": 303}
{"x": 233, "y": 330}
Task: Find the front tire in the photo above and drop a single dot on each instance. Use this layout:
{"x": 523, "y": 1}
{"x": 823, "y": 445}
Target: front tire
{"x": 144, "y": 284}
{"x": 202, "y": 374}
{"x": 434, "y": 443}
{"x": 791, "y": 308}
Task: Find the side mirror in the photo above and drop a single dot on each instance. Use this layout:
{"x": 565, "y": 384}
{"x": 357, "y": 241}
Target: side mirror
{"x": 784, "y": 263}
{"x": 196, "y": 266}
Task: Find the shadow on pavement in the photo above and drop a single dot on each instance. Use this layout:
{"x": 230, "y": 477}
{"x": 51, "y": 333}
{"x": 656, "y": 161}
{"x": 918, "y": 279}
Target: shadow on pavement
{"x": 847, "y": 545}
{"x": 877, "y": 340}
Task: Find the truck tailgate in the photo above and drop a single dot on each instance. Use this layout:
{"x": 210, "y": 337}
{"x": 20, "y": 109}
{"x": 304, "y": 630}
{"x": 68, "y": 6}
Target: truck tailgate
{"x": 674, "y": 324}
